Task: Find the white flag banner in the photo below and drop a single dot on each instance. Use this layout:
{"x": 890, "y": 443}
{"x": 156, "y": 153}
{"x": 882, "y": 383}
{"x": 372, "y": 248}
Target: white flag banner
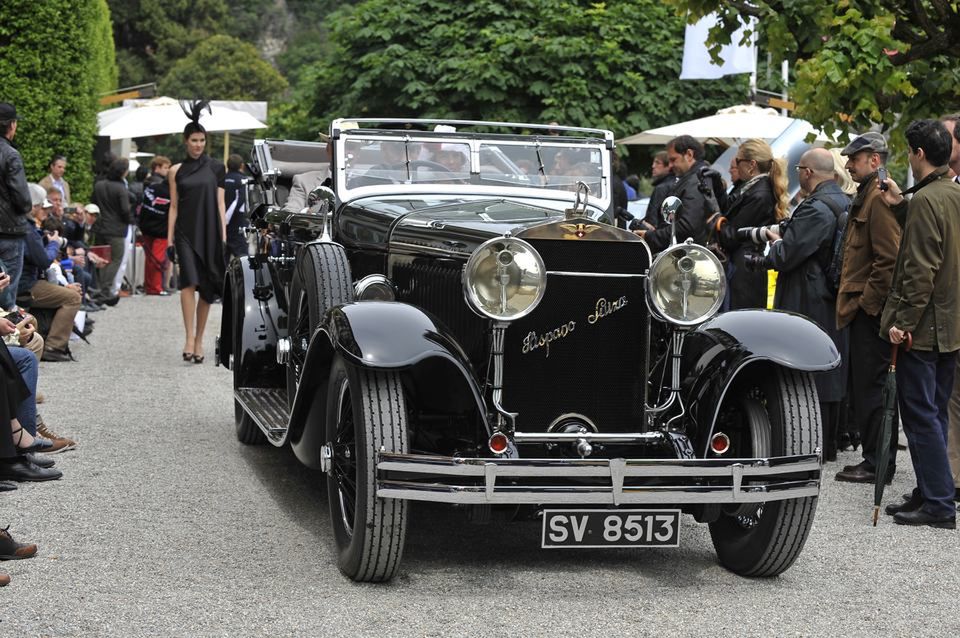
{"x": 697, "y": 64}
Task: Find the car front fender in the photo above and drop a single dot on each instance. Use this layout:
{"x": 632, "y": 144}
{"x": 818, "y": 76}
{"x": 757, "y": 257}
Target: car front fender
{"x": 378, "y": 335}
{"x": 718, "y": 350}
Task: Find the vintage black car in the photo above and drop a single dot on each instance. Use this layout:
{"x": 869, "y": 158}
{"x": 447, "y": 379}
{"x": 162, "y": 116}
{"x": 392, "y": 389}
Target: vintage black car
{"x": 452, "y": 319}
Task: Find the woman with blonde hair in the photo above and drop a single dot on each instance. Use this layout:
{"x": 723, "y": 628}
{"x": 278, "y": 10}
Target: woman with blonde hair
{"x": 760, "y": 201}
{"x": 840, "y": 174}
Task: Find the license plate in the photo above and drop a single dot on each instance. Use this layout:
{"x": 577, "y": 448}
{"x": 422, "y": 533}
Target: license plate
{"x": 611, "y": 528}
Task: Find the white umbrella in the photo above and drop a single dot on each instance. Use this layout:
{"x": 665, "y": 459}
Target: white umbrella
{"x": 163, "y": 116}
{"x": 730, "y": 126}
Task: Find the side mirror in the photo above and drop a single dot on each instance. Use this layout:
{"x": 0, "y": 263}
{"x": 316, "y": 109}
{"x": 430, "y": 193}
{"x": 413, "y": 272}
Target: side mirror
{"x": 668, "y": 211}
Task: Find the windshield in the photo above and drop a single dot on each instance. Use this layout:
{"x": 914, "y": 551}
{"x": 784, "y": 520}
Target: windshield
{"x": 371, "y": 161}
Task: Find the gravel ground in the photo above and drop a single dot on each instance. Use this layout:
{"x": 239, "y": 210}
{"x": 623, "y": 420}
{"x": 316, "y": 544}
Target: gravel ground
{"x": 165, "y": 525}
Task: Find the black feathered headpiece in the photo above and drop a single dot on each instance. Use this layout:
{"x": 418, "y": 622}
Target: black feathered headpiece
{"x": 192, "y": 109}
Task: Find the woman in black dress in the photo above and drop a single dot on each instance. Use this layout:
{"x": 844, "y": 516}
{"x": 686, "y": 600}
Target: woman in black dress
{"x": 197, "y": 230}
{"x": 760, "y": 200}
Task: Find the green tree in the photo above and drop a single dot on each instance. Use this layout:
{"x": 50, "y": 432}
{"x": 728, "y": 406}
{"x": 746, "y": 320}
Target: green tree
{"x": 613, "y": 64}
{"x": 153, "y": 35}
{"x": 223, "y": 68}
{"x": 56, "y": 59}
{"x": 857, "y": 63}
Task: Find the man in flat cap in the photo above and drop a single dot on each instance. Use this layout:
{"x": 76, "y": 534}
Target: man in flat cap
{"x": 871, "y": 242}
{"x": 14, "y": 204}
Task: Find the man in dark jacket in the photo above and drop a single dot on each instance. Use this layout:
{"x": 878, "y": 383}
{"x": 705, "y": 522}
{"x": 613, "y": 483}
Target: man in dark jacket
{"x": 869, "y": 254}
{"x": 663, "y": 182}
{"x": 111, "y": 195}
{"x": 696, "y": 191}
{"x": 235, "y": 198}
{"x": 924, "y": 301}
{"x": 801, "y": 258}
{"x": 14, "y": 204}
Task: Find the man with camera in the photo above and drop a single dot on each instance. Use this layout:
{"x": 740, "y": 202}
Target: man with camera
{"x": 924, "y": 302}
{"x": 801, "y": 257}
{"x": 869, "y": 254}
{"x": 697, "y": 187}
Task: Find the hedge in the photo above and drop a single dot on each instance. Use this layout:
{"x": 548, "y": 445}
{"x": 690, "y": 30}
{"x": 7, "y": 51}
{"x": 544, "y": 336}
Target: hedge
{"x": 56, "y": 59}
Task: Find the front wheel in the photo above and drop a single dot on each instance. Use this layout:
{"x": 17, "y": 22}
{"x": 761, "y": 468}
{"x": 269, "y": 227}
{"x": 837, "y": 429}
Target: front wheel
{"x": 366, "y": 413}
{"x": 765, "y": 540}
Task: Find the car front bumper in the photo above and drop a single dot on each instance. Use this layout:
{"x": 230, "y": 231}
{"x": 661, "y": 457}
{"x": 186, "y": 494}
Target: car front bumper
{"x": 597, "y": 481}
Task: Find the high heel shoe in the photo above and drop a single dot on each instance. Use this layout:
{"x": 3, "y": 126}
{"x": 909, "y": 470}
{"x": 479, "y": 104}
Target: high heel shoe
{"x": 187, "y": 356}
{"x": 38, "y": 444}
{"x": 198, "y": 358}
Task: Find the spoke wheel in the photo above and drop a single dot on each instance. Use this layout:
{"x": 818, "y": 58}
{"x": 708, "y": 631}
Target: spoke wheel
{"x": 321, "y": 281}
{"x": 366, "y": 413}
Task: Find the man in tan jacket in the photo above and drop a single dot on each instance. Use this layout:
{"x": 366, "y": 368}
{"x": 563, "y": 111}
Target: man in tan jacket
{"x": 869, "y": 253}
{"x": 925, "y": 301}
{"x": 58, "y": 166}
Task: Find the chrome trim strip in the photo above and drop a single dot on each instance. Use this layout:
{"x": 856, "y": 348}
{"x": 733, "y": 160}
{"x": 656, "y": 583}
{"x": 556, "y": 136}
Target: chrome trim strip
{"x": 420, "y": 248}
{"x": 510, "y": 495}
{"x": 573, "y": 437}
{"x": 579, "y": 468}
{"x": 567, "y": 273}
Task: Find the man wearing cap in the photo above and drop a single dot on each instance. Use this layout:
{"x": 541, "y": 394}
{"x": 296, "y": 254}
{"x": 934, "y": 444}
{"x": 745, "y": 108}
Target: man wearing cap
{"x": 15, "y": 203}
{"x": 870, "y": 245}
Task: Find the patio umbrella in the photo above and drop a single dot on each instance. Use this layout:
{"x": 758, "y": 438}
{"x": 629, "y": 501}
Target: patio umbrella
{"x": 163, "y": 116}
{"x": 727, "y": 127}
{"x": 886, "y": 426}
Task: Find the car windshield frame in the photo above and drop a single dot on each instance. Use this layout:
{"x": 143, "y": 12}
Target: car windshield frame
{"x": 373, "y": 161}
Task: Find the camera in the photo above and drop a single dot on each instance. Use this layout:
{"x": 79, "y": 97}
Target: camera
{"x": 758, "y": 234}
{"x": 754, "y": 262}
{"x": 69, "y": 210}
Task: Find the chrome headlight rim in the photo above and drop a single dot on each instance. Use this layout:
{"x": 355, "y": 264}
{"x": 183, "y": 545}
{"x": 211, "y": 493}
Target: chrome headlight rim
{"x": 362, "y": 287}
{"x": 479, "y": 253}
{"x": 662, "y": 315}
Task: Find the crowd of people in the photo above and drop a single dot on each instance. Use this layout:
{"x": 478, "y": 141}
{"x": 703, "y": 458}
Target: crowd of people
{"x": 60, "y": 258}
{"x": 870, "y": 266}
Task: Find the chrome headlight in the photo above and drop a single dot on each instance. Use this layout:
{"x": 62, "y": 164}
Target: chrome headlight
{"x": 686, "y": 285}
{"x": 504, "y": 279}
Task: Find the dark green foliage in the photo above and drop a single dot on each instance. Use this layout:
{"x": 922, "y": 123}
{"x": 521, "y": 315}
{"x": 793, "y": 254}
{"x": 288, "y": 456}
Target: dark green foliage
{"x": 223, "y": 68}
{"x": 56, "y": 59}
{"x": 155, "y": 34}
{"x": 613, "y": 65}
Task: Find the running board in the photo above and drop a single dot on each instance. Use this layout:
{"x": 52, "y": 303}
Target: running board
{"x": 268, "y": 409}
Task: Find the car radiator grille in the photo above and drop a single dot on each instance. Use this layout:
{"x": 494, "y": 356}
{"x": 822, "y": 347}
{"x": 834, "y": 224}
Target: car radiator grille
{"x": 435, "y": 286}
{"x": 594, "y": 363}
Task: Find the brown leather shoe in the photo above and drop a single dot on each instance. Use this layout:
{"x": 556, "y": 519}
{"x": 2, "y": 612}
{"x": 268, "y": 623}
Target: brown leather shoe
{"x": 860, "y": 474}
{"x": 12, "y": 550}
{"x": 60, "y": 443}
{"x": 4, "y": 579}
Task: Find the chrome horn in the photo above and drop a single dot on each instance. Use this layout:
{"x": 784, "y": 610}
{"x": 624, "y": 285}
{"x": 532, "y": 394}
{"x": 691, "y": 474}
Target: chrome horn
{"x": 327, "y": 199}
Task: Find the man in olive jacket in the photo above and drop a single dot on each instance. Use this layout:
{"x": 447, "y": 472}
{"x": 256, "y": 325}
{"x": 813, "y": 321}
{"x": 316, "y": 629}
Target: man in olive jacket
{"x": 869, "y": 254}
{"x": 925, "y": 302}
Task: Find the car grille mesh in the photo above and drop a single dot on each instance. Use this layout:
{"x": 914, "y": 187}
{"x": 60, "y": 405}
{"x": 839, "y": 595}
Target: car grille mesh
{"x": 597, "y": 369}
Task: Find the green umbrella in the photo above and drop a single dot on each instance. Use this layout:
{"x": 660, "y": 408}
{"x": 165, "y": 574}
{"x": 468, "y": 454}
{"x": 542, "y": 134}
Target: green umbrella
{"x": 886, "y": 426}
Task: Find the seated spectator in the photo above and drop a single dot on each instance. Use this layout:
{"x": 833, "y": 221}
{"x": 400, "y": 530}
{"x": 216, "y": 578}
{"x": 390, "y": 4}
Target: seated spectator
{"x": 39, "y": 254}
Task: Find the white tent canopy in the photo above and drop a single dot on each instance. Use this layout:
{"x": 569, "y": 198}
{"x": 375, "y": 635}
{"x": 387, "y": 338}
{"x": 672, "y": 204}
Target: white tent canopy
{"x": 728, "y": 127}
{"x": 163, "y": 116}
